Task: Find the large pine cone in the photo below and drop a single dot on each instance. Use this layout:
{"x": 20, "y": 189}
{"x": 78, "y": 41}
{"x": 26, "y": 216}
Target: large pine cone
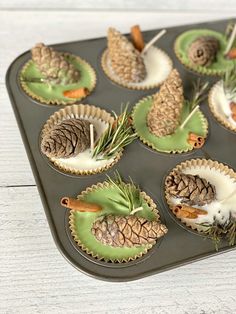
{"x": 128, "y": 231}
{"x": 203, "y": 50}
{"x": 193, "y": 189}
{"x": 53, "y": 66}
{"x": 126, "y": 61}
{"x": 164, "y": 116}
{"x": 67, "y": 139}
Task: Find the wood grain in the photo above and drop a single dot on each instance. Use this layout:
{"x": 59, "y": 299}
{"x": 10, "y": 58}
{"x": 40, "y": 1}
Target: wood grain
{"x": 160, "y": 5}
{"x": 34, "y": 277}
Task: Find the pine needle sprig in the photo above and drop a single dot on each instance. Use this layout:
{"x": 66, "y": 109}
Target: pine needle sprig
{"x": 231, "y": 231}
{"x": 117, "y": 136}
{"x": 215, "y": 232}
{"x": 130, "y": 194}
{"x": 218, "y": 230}
{"x": 199, "y": 94}
{"x": 229, "y": 83}
{"x": 230, "y": 36}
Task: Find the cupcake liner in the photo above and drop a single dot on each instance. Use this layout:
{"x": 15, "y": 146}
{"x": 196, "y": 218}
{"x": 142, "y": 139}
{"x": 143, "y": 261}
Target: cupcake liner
{"x": 95, "y": 255}
{"x": 89, "y": 69}
{"x": 134, "y": 86}
{"x": 196, "y": 68}
{"x": 76, "y": 111}
{"x": 150, "y": 144}
{"x": 191, "y": 164}
{"x": 218, "y": 117}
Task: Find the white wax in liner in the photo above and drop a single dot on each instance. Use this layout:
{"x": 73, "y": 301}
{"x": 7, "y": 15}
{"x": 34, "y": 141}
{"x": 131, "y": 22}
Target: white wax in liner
{"x": 221, "y": 103}
{"x": 84, "y": 160}
{"x": 224, "y": 185}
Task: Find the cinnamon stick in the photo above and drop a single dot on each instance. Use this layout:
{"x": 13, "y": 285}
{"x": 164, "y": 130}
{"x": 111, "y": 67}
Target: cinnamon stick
{"x": 233, "y": 109}
{"x": 231, "y": 54}
{"x": 76, "y": 93}
{"x": 195, "y": 140}
{"x": 185, "y": 211}
{"x": 137, "y": 37}
{"x": 79, "y": 205}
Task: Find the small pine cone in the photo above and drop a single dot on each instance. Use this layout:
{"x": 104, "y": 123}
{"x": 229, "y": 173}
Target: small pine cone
{"x": 126, "y": 61}
{"x": 67, "y": 139}
{"x": 128, "y": 231}
{"x": 53, "y": 66}
{"x": 203, "y": 50}
{"x": 164, "y": 116}
{"x": 193, "y": 189}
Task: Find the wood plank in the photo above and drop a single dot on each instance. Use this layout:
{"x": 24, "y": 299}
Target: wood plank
{"x": 35, "y": 278}
{"x": 170, "y": 5}
{"x": 14, "y": 165}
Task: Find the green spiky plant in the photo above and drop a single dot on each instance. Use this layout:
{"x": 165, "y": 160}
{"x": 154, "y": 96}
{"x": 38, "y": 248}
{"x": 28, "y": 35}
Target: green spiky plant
{"x": 116, "y": 137}
{"x": 199, "y": 94}
{"x": 229, "y": 83}
{"x": 217, "y": 230}
{"x": 130, "y": 194}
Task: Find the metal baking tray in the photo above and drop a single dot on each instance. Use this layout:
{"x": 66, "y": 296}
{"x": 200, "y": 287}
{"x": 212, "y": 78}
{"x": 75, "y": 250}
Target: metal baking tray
{"x": 146, "y": 167}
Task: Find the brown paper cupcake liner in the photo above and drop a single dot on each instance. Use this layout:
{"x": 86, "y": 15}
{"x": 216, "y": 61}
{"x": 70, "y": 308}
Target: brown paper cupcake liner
{"x": 55, "y": 101}
{"x": 152, "y": 146}
{"x": 196, "y": 70}
{"x": 104, "y": 61}
{"x": 191, "y": 164}
{"x": 218, "y": 117}
{"x": 76, "y": 111}
{"x": 72, "y": 227}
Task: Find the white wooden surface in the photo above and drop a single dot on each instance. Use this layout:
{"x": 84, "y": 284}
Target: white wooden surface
{"x": 34, "y": 277}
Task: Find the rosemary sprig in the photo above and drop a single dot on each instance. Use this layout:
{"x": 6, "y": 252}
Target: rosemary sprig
{"x": 118, "y": 135}
{"x": 215, "y": 232}
{"x": 231, "y": 231}
{"x": 199, "y": 94}
{"x": 218, "y": 230}
{"x": 130, "y": 194}
{"x": 230, "y": 35}
{"x": 229, "y": 83}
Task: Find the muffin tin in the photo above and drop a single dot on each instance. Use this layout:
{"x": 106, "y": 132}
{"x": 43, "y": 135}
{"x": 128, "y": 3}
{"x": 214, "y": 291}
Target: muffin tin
{"x": 146, "y": 167}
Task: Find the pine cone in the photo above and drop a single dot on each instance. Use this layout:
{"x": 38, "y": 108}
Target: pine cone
{"x": 203, "y": 50}
{"x": 128, "y": 231}
{"x": 126, "y": 61}
{"x": 193, "y": 189}
{"x": 164, "y": 116}
{"x": 67, "y": 139}
{"x": 53, "y": 66}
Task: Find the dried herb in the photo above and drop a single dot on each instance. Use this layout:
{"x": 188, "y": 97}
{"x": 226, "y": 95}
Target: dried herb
{"x": 229, "y": 83}
{"x": 230, "y": 34}
{"x": 130, "y": 194}
{"x": 231, "y": 231}
{"x": 199, "y": 94}
{"x": 118, "y": 135}
{"x": 218, "y": 230}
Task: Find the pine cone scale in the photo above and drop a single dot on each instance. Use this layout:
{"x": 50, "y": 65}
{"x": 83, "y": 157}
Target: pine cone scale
{"x": 203, "y": 50}
{"x": 193, "y": 189}
{"x": 67, "y": 139}
{"x": 53, "y": 66}
{"x": 164, "y": 116}
{"x": 127, "y": 231}
{"x": 125, "y": 60}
